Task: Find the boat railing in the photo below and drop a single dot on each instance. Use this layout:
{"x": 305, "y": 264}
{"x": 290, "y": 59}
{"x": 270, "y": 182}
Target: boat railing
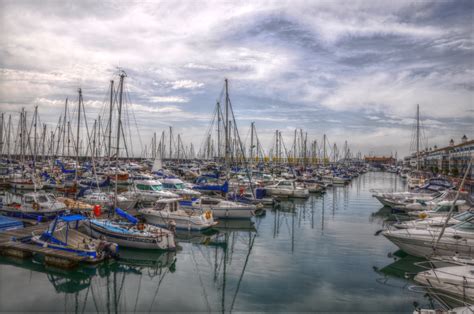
{"x": 441, "y": 297}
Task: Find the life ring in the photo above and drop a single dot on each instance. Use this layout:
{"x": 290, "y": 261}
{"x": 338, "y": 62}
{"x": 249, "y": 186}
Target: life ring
{"x": 35, "y": 206}
{"x": 208, "y": 214}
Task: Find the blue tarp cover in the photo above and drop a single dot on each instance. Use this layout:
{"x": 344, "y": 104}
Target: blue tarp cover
{"x": 125, "y": 215}
{"x": 72, "y": 218}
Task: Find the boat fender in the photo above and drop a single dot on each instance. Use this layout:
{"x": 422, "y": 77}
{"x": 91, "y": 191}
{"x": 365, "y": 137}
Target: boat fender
{"x": 208, "y": 214}
{"x": 422, "y": 215}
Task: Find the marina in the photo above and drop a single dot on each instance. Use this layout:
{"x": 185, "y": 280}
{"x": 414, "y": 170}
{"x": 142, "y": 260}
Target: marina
{"x": 247, "y": 157}
{"x": 325, "y": 243}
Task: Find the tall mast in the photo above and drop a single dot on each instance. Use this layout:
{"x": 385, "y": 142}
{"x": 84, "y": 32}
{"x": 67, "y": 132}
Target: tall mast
{"x": 417, "y": 137}
{"x": 9, "y": 136}
{"x": 324, "y": 149}
{"x": 119, "y": 126}
{"x": 171, "y": 136}
{"x": 218, "y": 130}
{"x": 43, "y": 139}
{"x": 226, "y": 125}
{"x": 64, "y": 128}
{"x": 110, "y": 119}
{"x": 251, "y": 144}
{"x": 1, "y": 134}
{"x": 78, "y": 131}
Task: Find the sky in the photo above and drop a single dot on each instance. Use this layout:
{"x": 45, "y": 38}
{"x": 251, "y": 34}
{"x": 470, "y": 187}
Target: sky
{"x": 354, "y": 70}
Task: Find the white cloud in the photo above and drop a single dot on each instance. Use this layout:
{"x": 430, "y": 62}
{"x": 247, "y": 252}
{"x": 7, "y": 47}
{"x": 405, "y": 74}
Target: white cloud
{"x": 185, "y": 84}
{"x": 166, "y": 99}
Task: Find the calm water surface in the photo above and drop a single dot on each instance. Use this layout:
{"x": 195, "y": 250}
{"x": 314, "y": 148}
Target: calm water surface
{"x": 314, "y": 255}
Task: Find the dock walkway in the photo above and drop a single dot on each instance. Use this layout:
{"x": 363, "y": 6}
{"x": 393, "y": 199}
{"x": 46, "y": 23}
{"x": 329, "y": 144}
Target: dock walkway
{"x": 11, "y": 244}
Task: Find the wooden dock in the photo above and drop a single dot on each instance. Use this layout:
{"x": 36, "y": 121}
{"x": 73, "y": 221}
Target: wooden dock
{"x": 11, "y": 244}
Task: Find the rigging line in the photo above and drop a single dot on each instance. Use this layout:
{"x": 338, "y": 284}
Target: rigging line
{"x": 135, "y": 120}
{"x": 157, "y": 289}
{"x": 242, "y": 274}
{"x": 200, "y": 280}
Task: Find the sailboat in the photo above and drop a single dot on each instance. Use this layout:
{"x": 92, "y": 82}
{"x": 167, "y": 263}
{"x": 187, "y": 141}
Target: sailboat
{"x": 131, "y": 233}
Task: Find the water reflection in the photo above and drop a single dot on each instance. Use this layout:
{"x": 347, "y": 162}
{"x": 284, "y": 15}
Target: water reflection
{"x": 318, "y": 254}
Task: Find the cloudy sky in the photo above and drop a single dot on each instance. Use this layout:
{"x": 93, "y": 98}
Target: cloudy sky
{"x": 354, "y": 70}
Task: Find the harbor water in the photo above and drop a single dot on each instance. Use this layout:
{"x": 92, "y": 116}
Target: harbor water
{"x": 319, "y": 254}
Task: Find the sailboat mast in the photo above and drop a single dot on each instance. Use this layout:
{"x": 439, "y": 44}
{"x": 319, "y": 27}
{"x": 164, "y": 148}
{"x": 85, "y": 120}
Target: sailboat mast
{"x": 226, "y": 125}
{"x": 417, "y": 137}
{"x": 64, "y": 127}
{"x": 78, "y": 131}
{"x": 119, "y": 126}
{"x": 110, "y": 119}
{"x": 251, "y": 145}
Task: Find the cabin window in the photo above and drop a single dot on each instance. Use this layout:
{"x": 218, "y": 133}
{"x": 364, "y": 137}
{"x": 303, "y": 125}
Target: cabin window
{"x": 465, "y": 226}
{"x": 156, "y": 187}
{"x": 160, "y": 206}
{"x": 179, "y": 186}
{"x": 42, "y": 199}
{"x": 29, "y": 199}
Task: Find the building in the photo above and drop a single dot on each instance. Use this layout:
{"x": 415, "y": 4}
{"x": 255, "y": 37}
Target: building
{"x": 379, "y": 161}
{"x": 450, "y": 160}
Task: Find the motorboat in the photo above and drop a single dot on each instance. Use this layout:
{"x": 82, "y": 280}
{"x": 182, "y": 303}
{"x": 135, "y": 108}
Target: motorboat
{"x": 287, "y": 188}
{"x": 453, "y": 280}
{"x": 442, "y": 209}
{"x": 34, "y": 205}
{"x": 148, "y": 191}
{"x": 456, "y": 239}
{"x": 168, "y": 214}
{"x": 224, "y": 209}
{"x": 106, "y": 200}
{"x": 435, "y": 221}
{"x": 178, "y": 187}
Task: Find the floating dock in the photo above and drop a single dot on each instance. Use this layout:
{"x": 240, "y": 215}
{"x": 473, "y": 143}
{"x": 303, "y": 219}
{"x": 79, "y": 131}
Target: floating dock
{"x": 12, "y": 243}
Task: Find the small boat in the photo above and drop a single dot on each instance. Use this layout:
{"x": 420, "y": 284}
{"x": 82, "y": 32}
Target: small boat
{"x": 35, "y": 205}
{"x": 25, "y": 184}
{"x": 62, "y": 234}
{"x": 167, "y": 213}
{"x": 106, "y": 200}
{"x": 435, "y": 221}
{"x": 287, "y": 188}
{"x": 225, "y": 209}
{"x": 131, "y": 233}
{"x": 148, "y": 191}
{"x": 453, "y": 280}
{"x": 178, "y": 187}
{"x": 421, "y": 242}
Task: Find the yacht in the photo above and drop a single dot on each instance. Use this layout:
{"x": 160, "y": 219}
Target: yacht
{"x": 167, "y": 213}
{"x": 178, "y": 187}
{"x": 421, "y": 242}
{"x": 435, "y": 221}
{"x": 148, "y": 191}
{"x": 287, "y": 188}
{"x": 224, "y": 209}
{"x": 34, "y": 205}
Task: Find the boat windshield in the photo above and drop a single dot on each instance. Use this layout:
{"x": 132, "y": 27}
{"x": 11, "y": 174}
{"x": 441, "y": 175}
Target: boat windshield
{"x": 464, "y": 216}
{"x": 146, "y": 187}
{"x": 465, "y": 226}
{"x": 179, "y": 186}
{"x": 42, "y": 199}
{"x": 444, "y": 208}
